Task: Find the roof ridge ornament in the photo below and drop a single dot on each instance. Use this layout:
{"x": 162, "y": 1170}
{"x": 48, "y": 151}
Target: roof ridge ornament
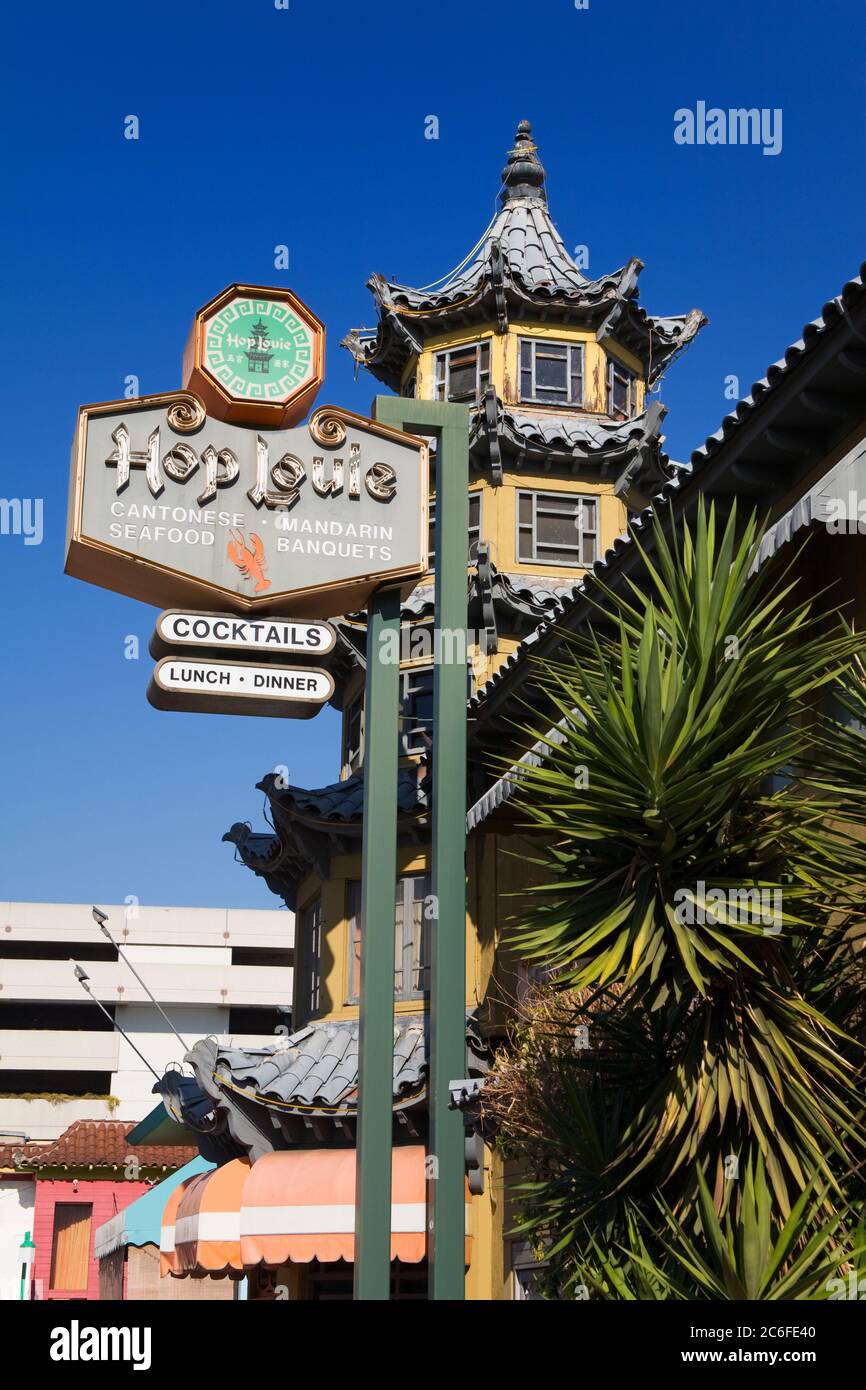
{"x": 523, "y": 175}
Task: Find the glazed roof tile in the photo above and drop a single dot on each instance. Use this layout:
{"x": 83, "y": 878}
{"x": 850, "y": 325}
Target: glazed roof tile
{"x": 521, "y": 259}
{"x": 340, "y": 802}
{"x": 534, "y": 254}
{"x": 581, "y": 440}
{"x": 316, "y": 1068}
{"x": 310, "y": 824}
{"x": 832, "y": 313}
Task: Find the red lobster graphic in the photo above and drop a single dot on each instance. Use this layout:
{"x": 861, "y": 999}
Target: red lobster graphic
{"x": 251, "y": 562}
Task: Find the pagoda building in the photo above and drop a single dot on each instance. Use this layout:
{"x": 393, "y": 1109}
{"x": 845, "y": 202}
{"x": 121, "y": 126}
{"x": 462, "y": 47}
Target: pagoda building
{"x": 556, "y": 367}
{"x": 558, "y": 371}
{"x": 257, "y": 355}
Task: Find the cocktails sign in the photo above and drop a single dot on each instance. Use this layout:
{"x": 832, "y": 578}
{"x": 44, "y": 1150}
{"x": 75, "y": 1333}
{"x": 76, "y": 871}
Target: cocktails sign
{"x": 272, "y": 639}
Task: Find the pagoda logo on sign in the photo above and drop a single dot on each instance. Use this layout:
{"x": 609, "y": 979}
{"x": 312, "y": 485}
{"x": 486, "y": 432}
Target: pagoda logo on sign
{"x": 203, "y": 497}
{"x": 256, "y": 355}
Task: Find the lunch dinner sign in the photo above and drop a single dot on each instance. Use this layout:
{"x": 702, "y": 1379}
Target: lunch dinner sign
{"x": 194, "y": 497}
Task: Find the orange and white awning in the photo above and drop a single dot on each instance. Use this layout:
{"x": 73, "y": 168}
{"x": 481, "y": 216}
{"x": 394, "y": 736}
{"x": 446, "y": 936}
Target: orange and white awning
{"x": 167, "y": 1251}
{"x": 290, "y": 1207}
{"x": 299, "y": 1205}
{"x": 207, "y": 1222}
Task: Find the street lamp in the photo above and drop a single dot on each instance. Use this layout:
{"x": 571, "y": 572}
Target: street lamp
{"x": 83, "y": 979}
{"x": 101, "y": 918}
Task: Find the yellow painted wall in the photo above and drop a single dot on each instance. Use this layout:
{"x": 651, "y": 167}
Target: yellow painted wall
{"x": 486, "y": 1277}
{"x": 504, "y": 358}
{"x": 497, "y": 871}
{"x": 499, "y": 516}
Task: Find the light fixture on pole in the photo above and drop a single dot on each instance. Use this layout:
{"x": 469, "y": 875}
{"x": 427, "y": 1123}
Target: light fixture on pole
{"x": 83, "y": 979}
{"x": 101, "y": 920}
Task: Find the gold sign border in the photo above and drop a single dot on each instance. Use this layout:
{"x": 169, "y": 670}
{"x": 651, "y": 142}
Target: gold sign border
{"x": 98, "y": 562}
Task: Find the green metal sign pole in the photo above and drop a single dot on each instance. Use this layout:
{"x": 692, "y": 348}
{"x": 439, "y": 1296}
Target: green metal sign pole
{"x": 450, "y": 424}
{"x": 376, "y": 1029}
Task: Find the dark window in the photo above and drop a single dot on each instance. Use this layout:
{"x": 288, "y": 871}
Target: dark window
{"x": 416, "y": 708}
{"x": 353, "y": 734}
{"x": 247, "y": 1018}
{"x": 262, "y": 955}
{"x": 57, "y": 950}
{"x": 411, "y": 938}
{"x": 462, "y": 373}
{"x": 551, "y": 373}
{"x": 312, "y": 959}
{"x": 416, "y": 692}
{"x": 474, "y": 527}
{"x": 621, "y": 391}
{"x": 557, "y": 528}
{"x": 64, "y": 1018}
{"x": 410, "y": 387}
{"x": 60, "y": 1083}
{"x": 407, "y": 1282}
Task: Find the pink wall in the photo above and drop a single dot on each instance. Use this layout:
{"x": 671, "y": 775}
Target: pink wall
{"x": 106, "y": 1197}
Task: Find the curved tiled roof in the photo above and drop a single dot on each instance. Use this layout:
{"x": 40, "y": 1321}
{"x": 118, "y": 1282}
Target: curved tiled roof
{"x": 534, "y": 256}
{"x": 317, "y": 1067}
{"x": 520, "y": 260}
{"x": 269, "y": 1097}
{"x": 12, "y": 1155}
{"x": 585, "y": 434}
{"x": 340, "y": 802}
{"x": 580, "y": 441}
{"x": 310, "y": 824}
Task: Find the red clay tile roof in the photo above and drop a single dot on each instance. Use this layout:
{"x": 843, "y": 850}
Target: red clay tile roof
{"x": 97, "y": 1144}
{"x": 24, "y": 1148}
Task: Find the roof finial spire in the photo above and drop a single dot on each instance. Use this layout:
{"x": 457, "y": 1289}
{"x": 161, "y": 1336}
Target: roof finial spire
{"x": 523, "y": 175}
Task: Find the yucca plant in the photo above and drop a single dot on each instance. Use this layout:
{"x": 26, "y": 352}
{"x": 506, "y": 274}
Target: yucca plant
{"x": 752, "y": 1255}
{"x": 693, "y": 770}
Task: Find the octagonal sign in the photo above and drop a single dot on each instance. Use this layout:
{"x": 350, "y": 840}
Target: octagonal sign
{"x": 256, "y": 356}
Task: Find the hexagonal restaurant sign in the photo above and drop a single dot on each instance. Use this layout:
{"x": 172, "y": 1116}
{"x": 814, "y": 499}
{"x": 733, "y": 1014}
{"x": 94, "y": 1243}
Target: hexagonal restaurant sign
{"x": 255, "y": 355}
{"x": 175, "y": 508}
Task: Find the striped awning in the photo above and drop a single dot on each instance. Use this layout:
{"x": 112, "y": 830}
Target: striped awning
{"x": 167, "y": 1251}
{"x": 140, "y": 1223}
{"x": 290, "y": 1207}
{"x": 201, "y": 1223}
{"x": 299, "y": 1205}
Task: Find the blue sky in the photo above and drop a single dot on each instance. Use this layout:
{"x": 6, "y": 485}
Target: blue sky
{"x": 305, "y": 127}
